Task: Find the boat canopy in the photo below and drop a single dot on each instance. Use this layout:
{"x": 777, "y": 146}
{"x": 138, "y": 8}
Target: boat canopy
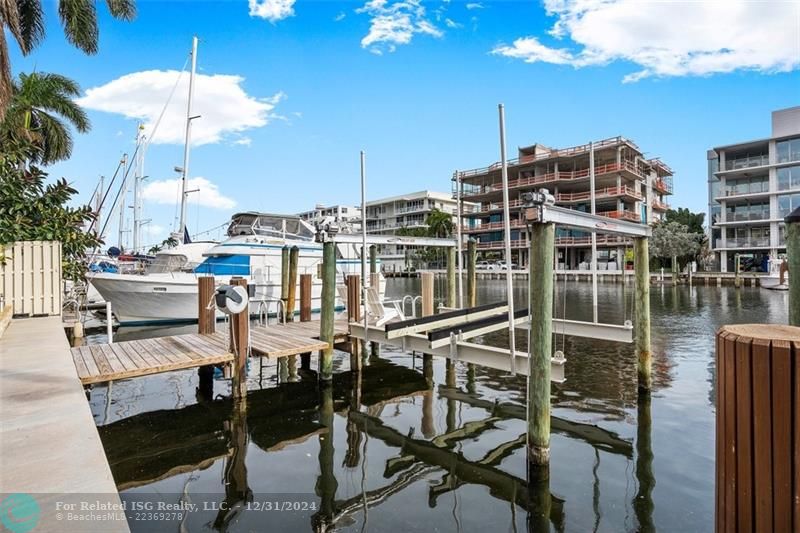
{"x": 270, "y": 225}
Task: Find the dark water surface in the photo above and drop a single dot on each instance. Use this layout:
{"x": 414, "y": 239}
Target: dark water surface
{"x": 398, "y": 452}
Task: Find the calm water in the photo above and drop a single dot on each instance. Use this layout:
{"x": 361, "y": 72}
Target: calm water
{"x": 398, "y": 452}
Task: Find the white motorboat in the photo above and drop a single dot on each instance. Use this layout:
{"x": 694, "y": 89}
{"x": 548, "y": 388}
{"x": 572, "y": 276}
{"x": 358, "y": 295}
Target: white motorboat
{"x": 774, "y": 280}
{"x": 253, "y": 251}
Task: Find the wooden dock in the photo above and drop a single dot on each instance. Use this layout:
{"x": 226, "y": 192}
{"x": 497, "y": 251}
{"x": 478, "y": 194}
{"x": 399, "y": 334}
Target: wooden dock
{"x": 97, "y": 363}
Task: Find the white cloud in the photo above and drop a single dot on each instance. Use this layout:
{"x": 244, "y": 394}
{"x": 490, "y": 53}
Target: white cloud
{"x": 151, "y": 229}
{"x": 474, "y": 5}
{"x": 243, "y": 141}
{"x": 224, "y": 107}
{"x": 678, "y": 38}
{"x": 450, "y": 23}
{"x": 168, "y": 192}
{"x": 271, "y": 10}
{"x": 340, "y": 16}
{"x": 395, "y": 23}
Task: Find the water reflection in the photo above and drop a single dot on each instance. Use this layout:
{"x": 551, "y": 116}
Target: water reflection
{"x": 420, "y": 442}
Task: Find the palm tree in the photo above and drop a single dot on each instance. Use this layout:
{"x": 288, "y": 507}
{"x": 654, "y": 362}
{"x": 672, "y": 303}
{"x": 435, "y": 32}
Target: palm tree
{"x": 440, "y": 224}
{"x": 24, "y": 20}
{"x": 40, "y": 103}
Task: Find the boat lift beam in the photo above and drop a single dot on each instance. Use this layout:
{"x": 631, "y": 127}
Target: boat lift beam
{"x": 451, "y": 318}
{"x": 442, "y": 337}
{"x": 539, "y": 208}
{"x": 352, "y": 238}
{"x": 467, "y": 352}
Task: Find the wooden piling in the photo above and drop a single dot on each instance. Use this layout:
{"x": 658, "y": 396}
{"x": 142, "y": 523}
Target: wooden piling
{"x": 793, "y": 260}
{"x": 427, "y": 293}
{"x": 328, "y": 308}
{"x": 206, "y": 318}
{"x": 239, "y": 338}
{"x": 451, "y": 278}
{"x": 374, "y": 281}
{"x": 541, "y": 340}
{"x": 373, "y": 259}
{"x": 294, "y": 256}
{"x": 472, "y": 282}
{"x": 757, "y": 428}
{"x": 641, "y": 322}
{"x": 354, "y": 315}
{"x": 284, "y": 278}
{"x": 305, "y": 297}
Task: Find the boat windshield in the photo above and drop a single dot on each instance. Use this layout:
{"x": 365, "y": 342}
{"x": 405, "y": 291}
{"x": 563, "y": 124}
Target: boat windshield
{"x": 270, "y": 226}
{"x": 167, "y": 263}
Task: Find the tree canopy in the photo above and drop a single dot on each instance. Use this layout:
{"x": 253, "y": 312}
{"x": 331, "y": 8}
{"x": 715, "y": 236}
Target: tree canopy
{"x": 673, "y": 239}
{"x": 693, "y": 221}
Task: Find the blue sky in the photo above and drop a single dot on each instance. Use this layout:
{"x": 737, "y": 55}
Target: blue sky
{"x": 416, "y": 84}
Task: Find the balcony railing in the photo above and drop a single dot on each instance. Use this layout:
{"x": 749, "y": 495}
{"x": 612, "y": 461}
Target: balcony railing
{"x": 746, "y": 216}
{"x": 747, "y": 242}
{"x": 661, "y": 206}
{"x": 663, "y": 186}
{"x": 747, "y": 162}
{"x": 491, "y": 245}
{"x": 608, "y": 192}
{"x": 409, "y": 209}
{"x": 601, "y": 239}
{"x": 621, "y": 215}
{"x": 553, "y": 177}
{"x": 491, "y": 226}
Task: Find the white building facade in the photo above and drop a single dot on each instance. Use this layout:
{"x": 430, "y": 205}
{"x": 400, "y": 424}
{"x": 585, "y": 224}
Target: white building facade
{"x": 752, "y": 186}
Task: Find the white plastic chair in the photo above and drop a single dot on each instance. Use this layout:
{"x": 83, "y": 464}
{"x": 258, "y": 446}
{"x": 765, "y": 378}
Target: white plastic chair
{"x": 378, "y": 309}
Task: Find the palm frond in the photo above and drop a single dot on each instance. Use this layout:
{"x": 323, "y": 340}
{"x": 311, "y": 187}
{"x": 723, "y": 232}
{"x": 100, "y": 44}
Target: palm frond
{"x": 122, "y": 9}
{"x": 56, "y": 140}
{"x": 79, "y": 18}
{"x": 31, "y": 22}
{"x": 6, "y": 81}
{"x": 10, "y": 18}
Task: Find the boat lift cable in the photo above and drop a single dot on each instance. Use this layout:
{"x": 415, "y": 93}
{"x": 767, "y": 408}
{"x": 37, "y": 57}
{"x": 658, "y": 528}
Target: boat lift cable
{"x": 105, "y": 195}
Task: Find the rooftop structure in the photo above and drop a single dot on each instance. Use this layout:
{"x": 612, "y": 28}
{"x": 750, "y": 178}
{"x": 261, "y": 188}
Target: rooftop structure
{"x": 626, "y": 187}
{"x": 341, "y": 213}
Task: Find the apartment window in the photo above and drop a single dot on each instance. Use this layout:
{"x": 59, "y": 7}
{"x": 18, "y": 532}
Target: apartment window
{"x": 344, "y": 210}
{"x": 788, "y": 203}
{"x": 746, "y": 186}
{"x": 788, "y": 150}
{"x": 788, "y": 178}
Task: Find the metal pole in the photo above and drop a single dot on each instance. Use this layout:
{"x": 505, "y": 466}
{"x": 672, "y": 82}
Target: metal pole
{"x": 294, "y": 257}
{"x": 458, "y": 241}
{"x": 507, "y": 234}
{"x": 123, "y": 193}
{"x": 472, "y": 290}
{"x": 188, "y": 138}
{"x": 137, "y": 178}
{"x": 364, "y": 239}
{"x": 451, "y": 278}
{"x": 594, "y": 235}
{"x": 109, "y": 323}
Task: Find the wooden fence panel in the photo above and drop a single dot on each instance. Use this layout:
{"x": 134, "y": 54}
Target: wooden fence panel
{"x": 30, "y": 277}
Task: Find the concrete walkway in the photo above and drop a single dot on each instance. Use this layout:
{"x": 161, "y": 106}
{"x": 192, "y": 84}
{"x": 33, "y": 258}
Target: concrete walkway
{"x": 49, "y": 445}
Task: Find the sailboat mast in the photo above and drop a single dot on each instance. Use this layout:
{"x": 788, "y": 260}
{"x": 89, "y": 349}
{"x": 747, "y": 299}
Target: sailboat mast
{"x": 189, "y": 117}
{"x": 137, "y": 182}
{"x": 122, "y": 200}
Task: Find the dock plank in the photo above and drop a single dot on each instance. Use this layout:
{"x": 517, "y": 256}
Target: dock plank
{"x": 100, "y": 360}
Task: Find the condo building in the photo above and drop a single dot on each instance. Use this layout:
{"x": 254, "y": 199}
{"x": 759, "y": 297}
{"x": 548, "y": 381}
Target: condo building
{"x": 388, "y": 216}
{"x": 626, "y": 187}
{"x": 752, "y": 186}
{"x": 341, "y": 213}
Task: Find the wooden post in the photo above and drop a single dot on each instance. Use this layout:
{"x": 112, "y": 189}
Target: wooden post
{"x": 328, "y": 309}
{"x": 451, "y": 278}
{"x": 641, "y": 322}
{"x": 373, "y": 259}
{"x": 757, "y": 428}
{"x": 294, "y": 256}
{"x": 541, "y": 340}
{"x": 284, "y": 278}
{"x": 374, "y": 281}
{"x": 326, "y": 482}
{"x": 737, "y": 280}
{"x": 206, "y": 325}
{"x": 643, "y": 500}
{"x": 793, "y": 253}
{"x": 239, "y": 336}
{"x": 354, "y": 315}
{"x": 427, "y": 293}
{"x": 472, "y": 282}
{"x": 305, "y": 297}
{"x": 206, "y": 318}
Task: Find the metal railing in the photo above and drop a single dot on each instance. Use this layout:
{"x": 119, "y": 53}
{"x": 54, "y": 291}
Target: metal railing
{"x": 747, "y": 162}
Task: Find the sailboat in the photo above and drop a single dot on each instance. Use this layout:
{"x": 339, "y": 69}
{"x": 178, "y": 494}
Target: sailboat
{"x": 253, "y": 250}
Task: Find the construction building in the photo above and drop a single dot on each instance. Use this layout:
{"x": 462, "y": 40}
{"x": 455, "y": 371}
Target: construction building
{"x": 626, "y": 187}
